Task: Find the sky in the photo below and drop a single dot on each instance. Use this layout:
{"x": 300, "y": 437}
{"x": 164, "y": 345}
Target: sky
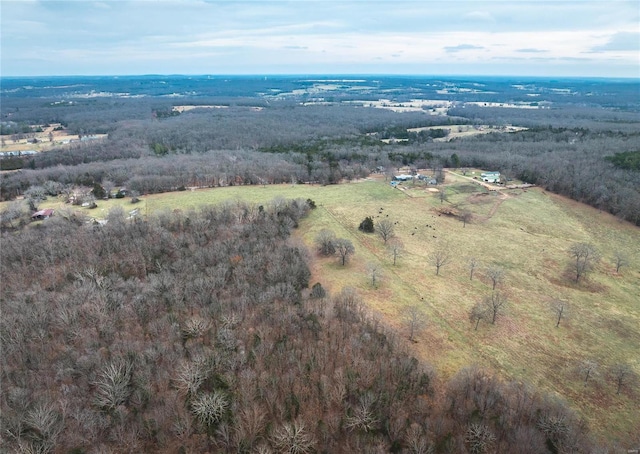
{"x": 578, "y": 38}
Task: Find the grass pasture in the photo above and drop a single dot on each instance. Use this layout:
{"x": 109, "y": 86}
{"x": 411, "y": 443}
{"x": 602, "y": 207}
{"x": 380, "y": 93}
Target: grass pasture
{"x": 527, "y": 232}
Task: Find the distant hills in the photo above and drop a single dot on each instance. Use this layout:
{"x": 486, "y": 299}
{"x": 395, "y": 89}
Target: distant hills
{"x": 614, "y": 93}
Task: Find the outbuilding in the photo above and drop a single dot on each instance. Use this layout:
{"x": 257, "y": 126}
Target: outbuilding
{"x": 490, "y": 177}
{"x": 42, "y": 214}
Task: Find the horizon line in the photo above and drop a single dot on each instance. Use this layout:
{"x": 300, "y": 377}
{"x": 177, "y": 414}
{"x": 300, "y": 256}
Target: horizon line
{"x": 324, "y": 75}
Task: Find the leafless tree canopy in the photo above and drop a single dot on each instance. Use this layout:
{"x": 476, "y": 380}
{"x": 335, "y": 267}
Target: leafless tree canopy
{"x": 344, "y": 249}
{"x": 325, "y": 242}
{"x": 560, "y": 309}
{"x": 385, "y": 229}
{"x": 473, "y": 264}
{"x": 478, "y": 312}
{"x": 496, "y": 274}
{"x": 620, "y": 259}
{"x": 396, "y": 247}
{"x": 466, "y": 216}
{"x": 623, "y": 376}
{"x": 192, "y": 330}
{"x": 442, "y": 195}
{"x": 415, "y": 319}
{"x": 588, "y": 369}
{"x": 585, "y": 257}
{"x": 374, "y": 270}
{"x": 440, "y": 257}
{"x": 495, "y": 305}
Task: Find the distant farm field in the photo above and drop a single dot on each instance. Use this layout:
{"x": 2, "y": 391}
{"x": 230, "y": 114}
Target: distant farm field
{"x": 525, "y": 232}
{"x": 456, "y": 131}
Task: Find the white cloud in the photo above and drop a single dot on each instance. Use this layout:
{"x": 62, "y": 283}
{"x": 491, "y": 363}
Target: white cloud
{"x": 531, "y": 50}
{"x": 461, "y": 47}
{"x": 204, "y": 36}
{"x": 482, "y": 16}
{"x": 621, "y": 41}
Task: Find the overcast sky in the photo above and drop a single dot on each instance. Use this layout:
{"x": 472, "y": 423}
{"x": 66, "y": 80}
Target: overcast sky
{"x": 418, "y": 37}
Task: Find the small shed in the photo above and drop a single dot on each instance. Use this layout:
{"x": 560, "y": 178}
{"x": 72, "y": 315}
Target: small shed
{"x": 42, "y": 214}
{"x": 490, "y": 177}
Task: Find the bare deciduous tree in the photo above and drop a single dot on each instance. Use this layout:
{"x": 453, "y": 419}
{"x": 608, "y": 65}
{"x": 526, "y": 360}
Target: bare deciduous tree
{"x": 344, "y": 248}
{"x": 477, "y": 313}
{"x": 496, "y": 274}
{"x": 479, "y": 438}
{"x": 417, "y": 442}
{"x": 395, "y": 248}
{"x": 473, "y": 264}
{"x": 374, "y": 270}
{"x": 293, "y": 437}
{"x": 113, "y": 386}
{"x": 556, "y": 428}
{"x": 585, "y": 257}
{"x": 623, "y": 375}
{"x": 189, "y": 378}
{"x": 495, "y": 305}
{"x": 442, "y": 195}
{"x": 440, "y": 257}
{"x": 108, "y": 186}
{"x": 559, "y": 307}
{"x": 363, "y": 416}
{"x": 588, "y": 369}
{"x": 325, "y": 242}
{"x": 45, "y": 423}
{"x": 385, "y": 229}
{"x": 209, "y": 408}
{"x": 34, "y": 195}
{"x": 414, "y": 318}
{"x": 620, "y": 259}
{"x": 466, "y": 217}
{"x": 13, "y": 211}
{"x": 251, "y": 421}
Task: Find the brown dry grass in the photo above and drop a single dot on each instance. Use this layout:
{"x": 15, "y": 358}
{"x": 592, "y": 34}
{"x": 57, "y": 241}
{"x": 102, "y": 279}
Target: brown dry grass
{"x": 528, "y": 233}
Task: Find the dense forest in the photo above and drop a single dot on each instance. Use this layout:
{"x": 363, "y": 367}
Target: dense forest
{"x": 197, "y": 332}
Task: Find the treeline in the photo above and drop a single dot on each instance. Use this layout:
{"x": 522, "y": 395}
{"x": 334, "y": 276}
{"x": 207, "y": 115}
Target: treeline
{"x": 196, "y": 332}
{"x": 594, "y": 118}
{"x": 574, "y": 151}
{"x": 150, "y": 174}
{"x": 319, "y": 144}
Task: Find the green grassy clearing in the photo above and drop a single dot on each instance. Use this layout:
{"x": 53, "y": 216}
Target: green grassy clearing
{"x": 526, "y": 232}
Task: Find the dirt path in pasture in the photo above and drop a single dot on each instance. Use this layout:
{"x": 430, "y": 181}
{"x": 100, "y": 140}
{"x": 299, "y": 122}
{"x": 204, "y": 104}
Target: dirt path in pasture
{"x": 500, "y": 198}
{"x": 502, "y": 192}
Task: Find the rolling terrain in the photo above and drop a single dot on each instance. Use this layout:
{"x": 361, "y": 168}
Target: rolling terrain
{"x": 520, "y": 338}
{"x": 526, "y": 233}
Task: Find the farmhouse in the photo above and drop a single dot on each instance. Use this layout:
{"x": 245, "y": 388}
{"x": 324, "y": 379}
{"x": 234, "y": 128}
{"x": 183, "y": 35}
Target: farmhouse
{"x": 427, "y": 179}
{"x": 42, "y": 214}
{"x": 403, "y": 177}
{"x": 490, "y": 177}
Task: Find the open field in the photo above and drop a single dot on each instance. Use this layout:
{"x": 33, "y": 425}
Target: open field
{"x": 456, "y": 131}
{"x": 433, "y": 107}
{"x": 187, "y": 108}
{"x": 49, "y": 137}
{"x": 526, "y": 232}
